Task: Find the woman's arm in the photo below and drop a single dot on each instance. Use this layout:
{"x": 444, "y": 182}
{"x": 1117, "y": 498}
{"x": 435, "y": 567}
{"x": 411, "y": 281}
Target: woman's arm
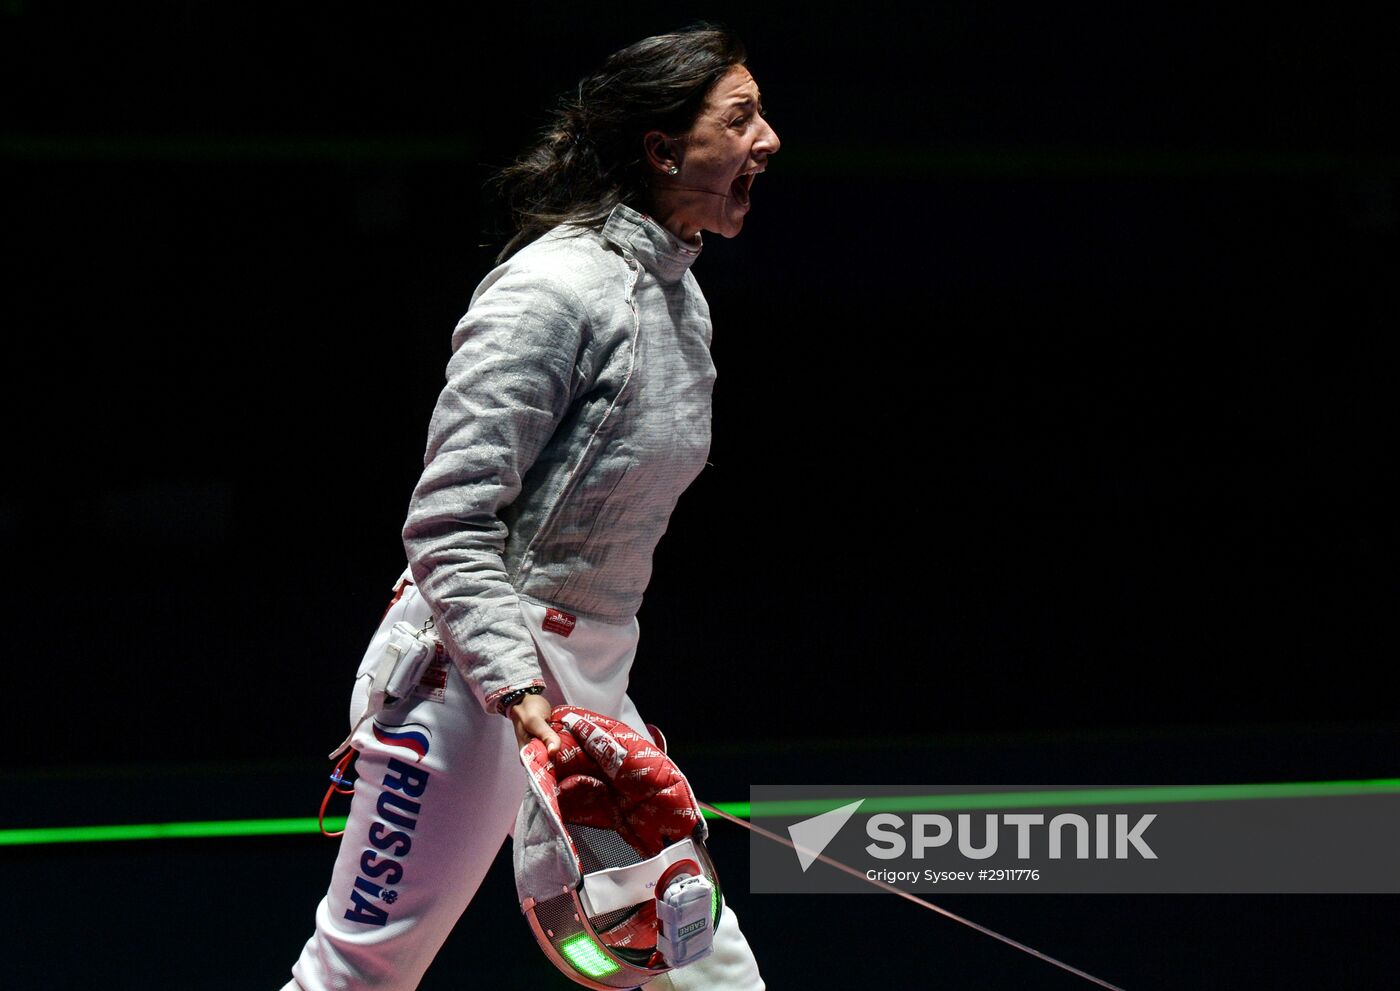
{"x": 509, "y": 384}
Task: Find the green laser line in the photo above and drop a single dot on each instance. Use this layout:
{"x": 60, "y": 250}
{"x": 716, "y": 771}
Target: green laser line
{"x": 165, "y": 831}
{"x": 1164, "y": 794}
{"x": 221, "y": 829}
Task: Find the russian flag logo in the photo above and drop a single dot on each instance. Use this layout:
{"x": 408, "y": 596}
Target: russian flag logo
{"x": 410, "y": 736}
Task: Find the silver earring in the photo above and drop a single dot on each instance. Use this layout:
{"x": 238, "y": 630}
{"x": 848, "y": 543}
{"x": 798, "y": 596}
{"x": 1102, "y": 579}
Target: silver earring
{"x": 673, "y": 170}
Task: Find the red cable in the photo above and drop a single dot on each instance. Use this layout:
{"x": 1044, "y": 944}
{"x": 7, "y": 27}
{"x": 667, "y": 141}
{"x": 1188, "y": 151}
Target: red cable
{"x": 337, "y": 776}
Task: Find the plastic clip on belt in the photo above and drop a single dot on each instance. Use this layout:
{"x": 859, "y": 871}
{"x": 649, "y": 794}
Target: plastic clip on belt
{"x": 395, "y": 672}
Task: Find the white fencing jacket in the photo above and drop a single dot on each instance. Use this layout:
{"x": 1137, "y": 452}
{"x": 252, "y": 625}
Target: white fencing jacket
{"x": 576, "y": 411}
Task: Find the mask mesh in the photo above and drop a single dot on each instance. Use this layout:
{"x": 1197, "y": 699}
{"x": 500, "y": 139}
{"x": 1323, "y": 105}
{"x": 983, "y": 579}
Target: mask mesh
{"x": 602, "y": 849}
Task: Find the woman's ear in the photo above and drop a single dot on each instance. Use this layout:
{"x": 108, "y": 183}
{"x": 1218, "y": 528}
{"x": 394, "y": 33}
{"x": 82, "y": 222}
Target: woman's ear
{"x": 660, "y": 151}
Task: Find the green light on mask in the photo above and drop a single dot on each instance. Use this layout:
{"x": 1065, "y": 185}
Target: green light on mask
{"x": 586, "y": 956}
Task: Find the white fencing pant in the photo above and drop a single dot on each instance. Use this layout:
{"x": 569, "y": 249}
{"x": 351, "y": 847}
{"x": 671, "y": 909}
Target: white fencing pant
{"x": 422, "y": 832}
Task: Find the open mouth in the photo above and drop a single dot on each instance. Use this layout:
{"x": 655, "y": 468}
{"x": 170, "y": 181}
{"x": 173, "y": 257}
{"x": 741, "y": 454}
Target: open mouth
{"x": 742, "y": 184}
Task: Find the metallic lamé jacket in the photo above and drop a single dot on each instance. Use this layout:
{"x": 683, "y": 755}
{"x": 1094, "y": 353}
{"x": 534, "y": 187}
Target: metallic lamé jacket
{"x": 576, "y": 411}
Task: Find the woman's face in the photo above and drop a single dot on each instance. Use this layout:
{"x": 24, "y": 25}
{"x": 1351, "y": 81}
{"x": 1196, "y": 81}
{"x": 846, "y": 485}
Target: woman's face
{"x": 726, "y": 147}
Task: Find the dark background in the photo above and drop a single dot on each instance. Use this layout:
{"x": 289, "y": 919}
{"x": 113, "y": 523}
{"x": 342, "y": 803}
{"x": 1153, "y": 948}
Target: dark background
{"x": 1051, "y": 444}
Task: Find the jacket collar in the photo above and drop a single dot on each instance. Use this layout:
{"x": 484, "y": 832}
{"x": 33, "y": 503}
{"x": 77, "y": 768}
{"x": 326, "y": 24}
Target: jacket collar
{"x": 662, "y": 253}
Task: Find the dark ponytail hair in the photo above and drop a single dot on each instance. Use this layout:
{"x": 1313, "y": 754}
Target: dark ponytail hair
{"x": 589, "y": 157}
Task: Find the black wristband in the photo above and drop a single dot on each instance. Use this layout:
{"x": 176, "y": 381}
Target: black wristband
{"x": 504, "y": 705}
